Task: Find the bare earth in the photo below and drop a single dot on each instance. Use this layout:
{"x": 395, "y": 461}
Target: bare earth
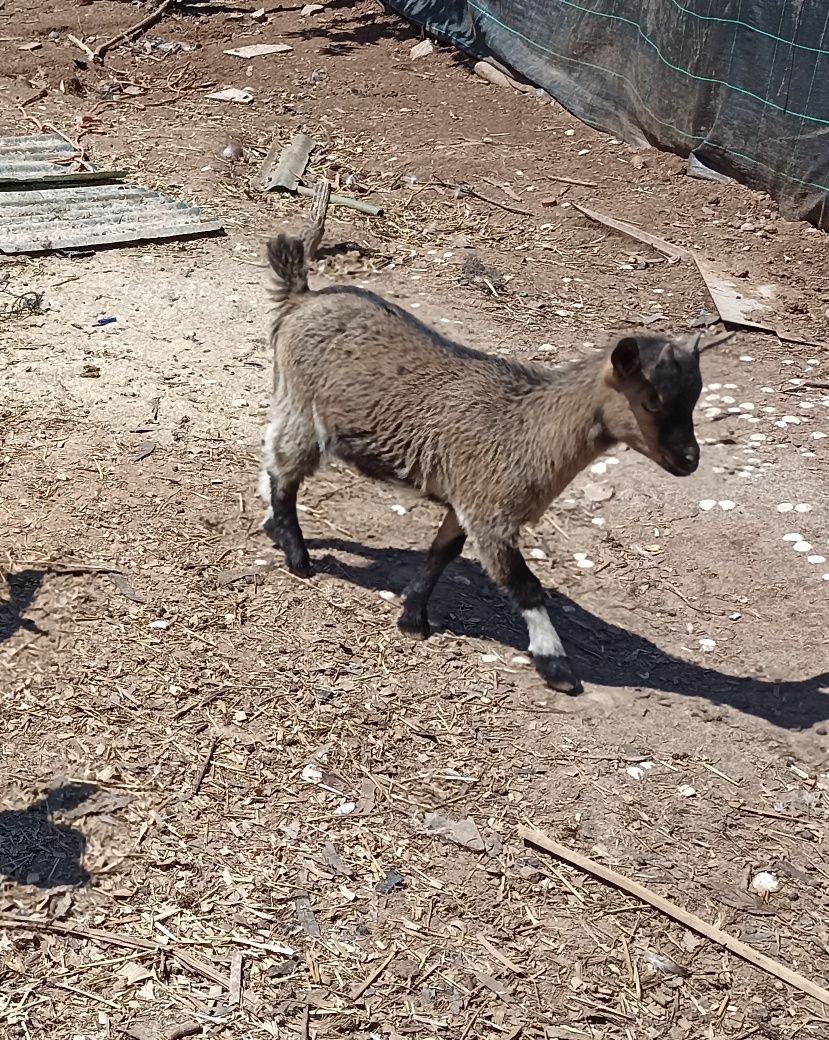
{"x": 216, "y": 780}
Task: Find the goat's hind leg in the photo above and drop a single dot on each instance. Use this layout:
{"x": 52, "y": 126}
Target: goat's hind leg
{"x": 290, "y": 454}
{"x": 447, "y": 545}
{"x": 507, "y": 567}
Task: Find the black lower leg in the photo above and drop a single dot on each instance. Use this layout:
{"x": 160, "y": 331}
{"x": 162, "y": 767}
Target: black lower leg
{"x": 285, "y": 530}
{"x": 508, "y": 567}
{"x": 448, "y": 545}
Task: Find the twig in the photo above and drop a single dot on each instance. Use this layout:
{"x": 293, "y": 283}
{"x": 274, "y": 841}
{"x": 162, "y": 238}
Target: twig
{"x": 465, "y": 188}
{"x": 130, "y": 942}
{"x": 540, "y": 840}
{"x": 572, "y": 180}
{"x": 133, "y": 30}
{"x": 373, "y": 975}
{"x": 81, "y": 45}
{"x": 716, "y": 341}
{"x": 202, "y": 773}
{"x": 306, "y": 1023}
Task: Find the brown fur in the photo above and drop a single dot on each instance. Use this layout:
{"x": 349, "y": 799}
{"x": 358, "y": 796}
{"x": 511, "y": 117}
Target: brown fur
{"x": 359, "y": 379}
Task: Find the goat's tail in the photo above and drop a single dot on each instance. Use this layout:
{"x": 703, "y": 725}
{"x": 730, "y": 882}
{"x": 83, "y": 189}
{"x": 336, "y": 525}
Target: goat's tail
{"x": 290, "y": 272}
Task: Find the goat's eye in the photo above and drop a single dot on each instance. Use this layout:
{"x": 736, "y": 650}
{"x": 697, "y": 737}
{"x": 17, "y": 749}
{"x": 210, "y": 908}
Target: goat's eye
{"x": 652, "y": 406}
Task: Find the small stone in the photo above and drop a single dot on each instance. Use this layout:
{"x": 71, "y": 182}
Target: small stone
{"x": 686, "y": 791}
{"x": 708, "y": 644}
{"x": 388, "y": 596}
{"x": 160, "y": 624}
{"x": 801, "y": 547}
{"x": 726, "y": 505}
{"x": 422, "y": 50}
{"x": 707, "y": 503}
{"x": 785, "y": 507}
{"x": 816, "y": 559}
{"x": 803, "y": 507}
{"x": 764, "y": 883}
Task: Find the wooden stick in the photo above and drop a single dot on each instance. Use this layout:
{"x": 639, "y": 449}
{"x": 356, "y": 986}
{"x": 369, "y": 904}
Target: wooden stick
{"x": 716, "y": 341}
{"x": 81, "y": 46}
{"x": 202, "y": 773}
{"x": 625, "y": 228}
{"x": 316, "y": 218}
{"x": 373, "y": 975}
{"x": 696, "y": 924}
{"x": 133, "y": 30}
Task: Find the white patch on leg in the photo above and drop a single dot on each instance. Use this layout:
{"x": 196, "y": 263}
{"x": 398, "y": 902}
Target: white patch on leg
{"x": 544, "y": 640}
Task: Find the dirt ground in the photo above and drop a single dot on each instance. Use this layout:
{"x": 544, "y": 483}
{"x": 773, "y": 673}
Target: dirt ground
{"x": 237, "y": 804}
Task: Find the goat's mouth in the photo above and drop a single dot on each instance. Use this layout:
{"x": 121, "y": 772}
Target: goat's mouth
{"x": 678, "y": 465}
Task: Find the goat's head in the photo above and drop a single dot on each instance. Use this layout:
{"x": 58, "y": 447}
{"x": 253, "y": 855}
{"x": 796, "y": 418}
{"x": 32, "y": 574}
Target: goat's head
{"x": 658, "y": 383}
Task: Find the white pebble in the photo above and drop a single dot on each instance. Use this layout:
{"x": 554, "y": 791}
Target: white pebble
{"x": 160, "y": 624}
{"x": 765, "y": 883}
{"x": 757, "y": 437}
{"x": 599, "y": 468}
{"x": 715, "y": 386}
{"x": 707, "y": 644}
{"x": 767, "y": 389}
{"x": 639, "y": 771}
{"x": 686, "y": 791}
{"x": 816, "y": 559}
{"x": 726, "y": 504}
{"x": 792, "y": 419}
{"x": 818, "y": 436}
{"x": 785, "y": 507}
{"x": 707, "y": 503}
{"x": 489, "y": 658}
{"x": 801, "y": 547}
{"x": 599, "y": 521}
{"x": 538, "y": 554}
{"x": 728, "y": 400}
{"x": 260, "y": 563}
{"x": 730, "y": 386}
{"x": 388, "y": 596}
{"x": 793, "y": 537}
{"x": 825, "y": 577}
{"x": 585, "y": 564}
{"x": 746, "y": 357}
{"x": 803, "y": 507}
{"x": 520, "y": 659}
{"x": 344, "y": 808}
{"x": 400, "y": 510}
{"x": 748, "y": 405}
{"x": 612, "y": 461}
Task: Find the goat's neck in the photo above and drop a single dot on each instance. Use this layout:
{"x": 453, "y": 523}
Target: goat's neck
{"x": 572, "y": 422}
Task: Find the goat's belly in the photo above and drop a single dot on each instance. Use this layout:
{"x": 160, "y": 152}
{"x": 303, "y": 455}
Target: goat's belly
{"x": 354, "y": 451}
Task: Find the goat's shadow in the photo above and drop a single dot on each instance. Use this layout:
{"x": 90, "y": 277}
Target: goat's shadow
{"x": 23, "y": 586}
{"x": 34, "y": 850}
{"x": 602, "y": 652}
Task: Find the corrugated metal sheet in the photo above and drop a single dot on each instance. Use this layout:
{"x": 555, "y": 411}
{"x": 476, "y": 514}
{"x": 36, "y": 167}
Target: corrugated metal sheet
{"x": 42, "y": 156}
{"x": 73, "y": 216}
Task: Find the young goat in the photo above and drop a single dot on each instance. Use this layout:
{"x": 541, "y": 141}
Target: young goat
{"x": 360, "y": 380}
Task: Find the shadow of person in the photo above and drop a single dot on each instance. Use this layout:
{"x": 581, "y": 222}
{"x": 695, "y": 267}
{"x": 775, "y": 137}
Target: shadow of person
{"x": 23, "y": 586}
{"x": 34, "y": 850}
{"x": 603, "y": 653}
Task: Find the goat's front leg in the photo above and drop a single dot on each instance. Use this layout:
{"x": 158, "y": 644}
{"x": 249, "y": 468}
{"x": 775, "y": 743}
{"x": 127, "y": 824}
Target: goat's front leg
{"x": 507, "y": 567}
{"x": 448, "y": 544}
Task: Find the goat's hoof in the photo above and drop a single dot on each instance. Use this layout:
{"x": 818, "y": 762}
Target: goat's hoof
{"x": 415, "y": 626}
{"x": 557, "y": 672}
{"x": 302, "y": 568}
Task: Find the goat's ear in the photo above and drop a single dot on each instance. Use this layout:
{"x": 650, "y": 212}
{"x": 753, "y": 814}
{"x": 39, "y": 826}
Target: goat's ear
{"x": 625, "y": 358}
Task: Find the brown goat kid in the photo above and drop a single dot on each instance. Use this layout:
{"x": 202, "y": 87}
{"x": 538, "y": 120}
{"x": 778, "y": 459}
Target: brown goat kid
{"x": 360, "y": 380}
